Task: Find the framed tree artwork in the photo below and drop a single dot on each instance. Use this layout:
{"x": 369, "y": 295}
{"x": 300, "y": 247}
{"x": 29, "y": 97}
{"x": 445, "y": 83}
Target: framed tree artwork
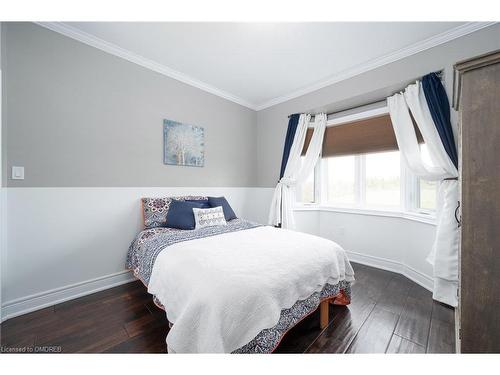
{"x": 183, "y": 144}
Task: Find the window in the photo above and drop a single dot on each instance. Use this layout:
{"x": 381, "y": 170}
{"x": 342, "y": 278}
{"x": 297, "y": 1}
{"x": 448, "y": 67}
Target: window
{"x": 427, "y": 195}
{"x": 306, "y": 191}
{"x": 374, "y": 180}
{"x": 341, "y": 180}
{"x": 371, "y": 180}
{"x": 427, "y": 190}
{"x": 383, "y": 171}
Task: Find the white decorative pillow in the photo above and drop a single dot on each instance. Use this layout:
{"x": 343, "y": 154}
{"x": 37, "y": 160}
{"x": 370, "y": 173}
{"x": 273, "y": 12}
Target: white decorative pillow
{"x": 209, "y": 217}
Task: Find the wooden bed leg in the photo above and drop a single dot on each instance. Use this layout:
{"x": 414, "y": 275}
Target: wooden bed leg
{"x": 323, "y": 314}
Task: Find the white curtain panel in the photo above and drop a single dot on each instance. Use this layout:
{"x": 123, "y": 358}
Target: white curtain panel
{"x": 296, "y": 171}
{"x": 444, "y": 252}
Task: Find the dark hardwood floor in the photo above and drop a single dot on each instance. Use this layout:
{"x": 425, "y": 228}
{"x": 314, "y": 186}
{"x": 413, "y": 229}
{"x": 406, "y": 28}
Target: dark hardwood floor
{"x": 388, "y": 314}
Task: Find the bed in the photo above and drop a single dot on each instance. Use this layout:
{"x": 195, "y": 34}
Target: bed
{"x": 240, "y": 287}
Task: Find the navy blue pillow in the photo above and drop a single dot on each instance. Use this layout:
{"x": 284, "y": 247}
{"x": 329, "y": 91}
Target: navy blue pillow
{"x": 221, "y": 201}
{"x": 180, "y": 214}
{"x": 203, "y": 202}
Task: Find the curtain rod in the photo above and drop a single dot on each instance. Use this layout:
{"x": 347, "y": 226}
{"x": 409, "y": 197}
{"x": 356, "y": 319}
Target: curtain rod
{"x": 439, "y": 73}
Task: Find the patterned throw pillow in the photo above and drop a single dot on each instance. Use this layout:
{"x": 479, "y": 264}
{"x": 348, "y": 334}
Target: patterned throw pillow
{"x": 155, "y": 210}
{"x": 209, "y": 217}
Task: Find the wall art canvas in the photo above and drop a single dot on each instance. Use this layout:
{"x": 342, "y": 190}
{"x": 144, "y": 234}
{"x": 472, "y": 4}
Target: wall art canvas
{"x": 183, "y": 144}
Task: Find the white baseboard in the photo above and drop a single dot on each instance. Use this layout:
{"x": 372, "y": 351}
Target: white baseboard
{"x": 418, "y": 277}
{"x": 11, "y": 309}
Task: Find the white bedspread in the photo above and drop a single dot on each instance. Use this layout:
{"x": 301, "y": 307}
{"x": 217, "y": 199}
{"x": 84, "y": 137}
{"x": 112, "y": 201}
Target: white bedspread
{"x": 221, "y": 291}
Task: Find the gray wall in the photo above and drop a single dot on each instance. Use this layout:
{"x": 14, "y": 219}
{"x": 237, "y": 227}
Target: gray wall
{"x": 378, "y": 83}
{"x": 77, "y": 116}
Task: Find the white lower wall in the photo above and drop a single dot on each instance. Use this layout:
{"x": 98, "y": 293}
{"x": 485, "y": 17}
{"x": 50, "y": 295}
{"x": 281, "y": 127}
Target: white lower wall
{"x": 62, "y": 243}
{"x": 392, "y": 243}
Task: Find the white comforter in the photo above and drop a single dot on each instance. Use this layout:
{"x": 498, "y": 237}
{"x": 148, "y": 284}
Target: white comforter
{"x": 221, "y": 291}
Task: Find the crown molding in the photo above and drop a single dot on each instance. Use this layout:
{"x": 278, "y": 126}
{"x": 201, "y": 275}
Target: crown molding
{"x": 413, "y": 49}
{"x": 113, "y": 49}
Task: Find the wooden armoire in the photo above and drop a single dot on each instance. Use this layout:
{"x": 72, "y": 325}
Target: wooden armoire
{"x": 477, "y": 98}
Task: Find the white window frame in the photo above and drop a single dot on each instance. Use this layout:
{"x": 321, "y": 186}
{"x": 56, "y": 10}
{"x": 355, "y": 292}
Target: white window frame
{"x": 409, "y": 185}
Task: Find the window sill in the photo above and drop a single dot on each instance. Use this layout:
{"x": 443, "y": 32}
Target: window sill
{"x": 413, "y": 216}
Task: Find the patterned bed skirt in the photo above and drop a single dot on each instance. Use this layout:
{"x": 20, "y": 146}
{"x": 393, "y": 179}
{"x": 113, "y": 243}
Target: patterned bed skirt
{"x": 268, "y": 339}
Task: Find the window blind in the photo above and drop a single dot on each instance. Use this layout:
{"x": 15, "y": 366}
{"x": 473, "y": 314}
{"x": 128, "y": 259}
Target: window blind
{"x": 374, "y": 134}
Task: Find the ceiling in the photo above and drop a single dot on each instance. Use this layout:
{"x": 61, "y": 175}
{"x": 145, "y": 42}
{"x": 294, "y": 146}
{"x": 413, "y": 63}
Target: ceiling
{"x": 262, "y": 64}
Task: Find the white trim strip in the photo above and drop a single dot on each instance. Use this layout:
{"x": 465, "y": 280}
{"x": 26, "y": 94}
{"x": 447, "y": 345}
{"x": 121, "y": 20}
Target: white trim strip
{"x": 370, "y": 113}
{"x": 115, "y": 50}
{"x": 413, "y": 49}
{"x": 418, "y": 277}
{"x": 24, "y": 305}
{"x": 421, "y": 218}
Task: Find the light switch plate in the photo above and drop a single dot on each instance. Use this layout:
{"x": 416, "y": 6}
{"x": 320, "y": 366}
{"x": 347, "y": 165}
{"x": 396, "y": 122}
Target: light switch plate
{"x": 18, "y": 173}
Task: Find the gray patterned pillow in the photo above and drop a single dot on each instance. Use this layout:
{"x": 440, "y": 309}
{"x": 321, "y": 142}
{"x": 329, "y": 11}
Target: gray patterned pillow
{"x": 155, "y": 210}
{"x": 209, "y": 217}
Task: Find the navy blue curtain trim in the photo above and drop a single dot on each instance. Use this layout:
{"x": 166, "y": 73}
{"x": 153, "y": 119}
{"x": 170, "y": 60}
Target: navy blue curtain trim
{"x": 293, "y": 121}
{"x": 439, "y": 106}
